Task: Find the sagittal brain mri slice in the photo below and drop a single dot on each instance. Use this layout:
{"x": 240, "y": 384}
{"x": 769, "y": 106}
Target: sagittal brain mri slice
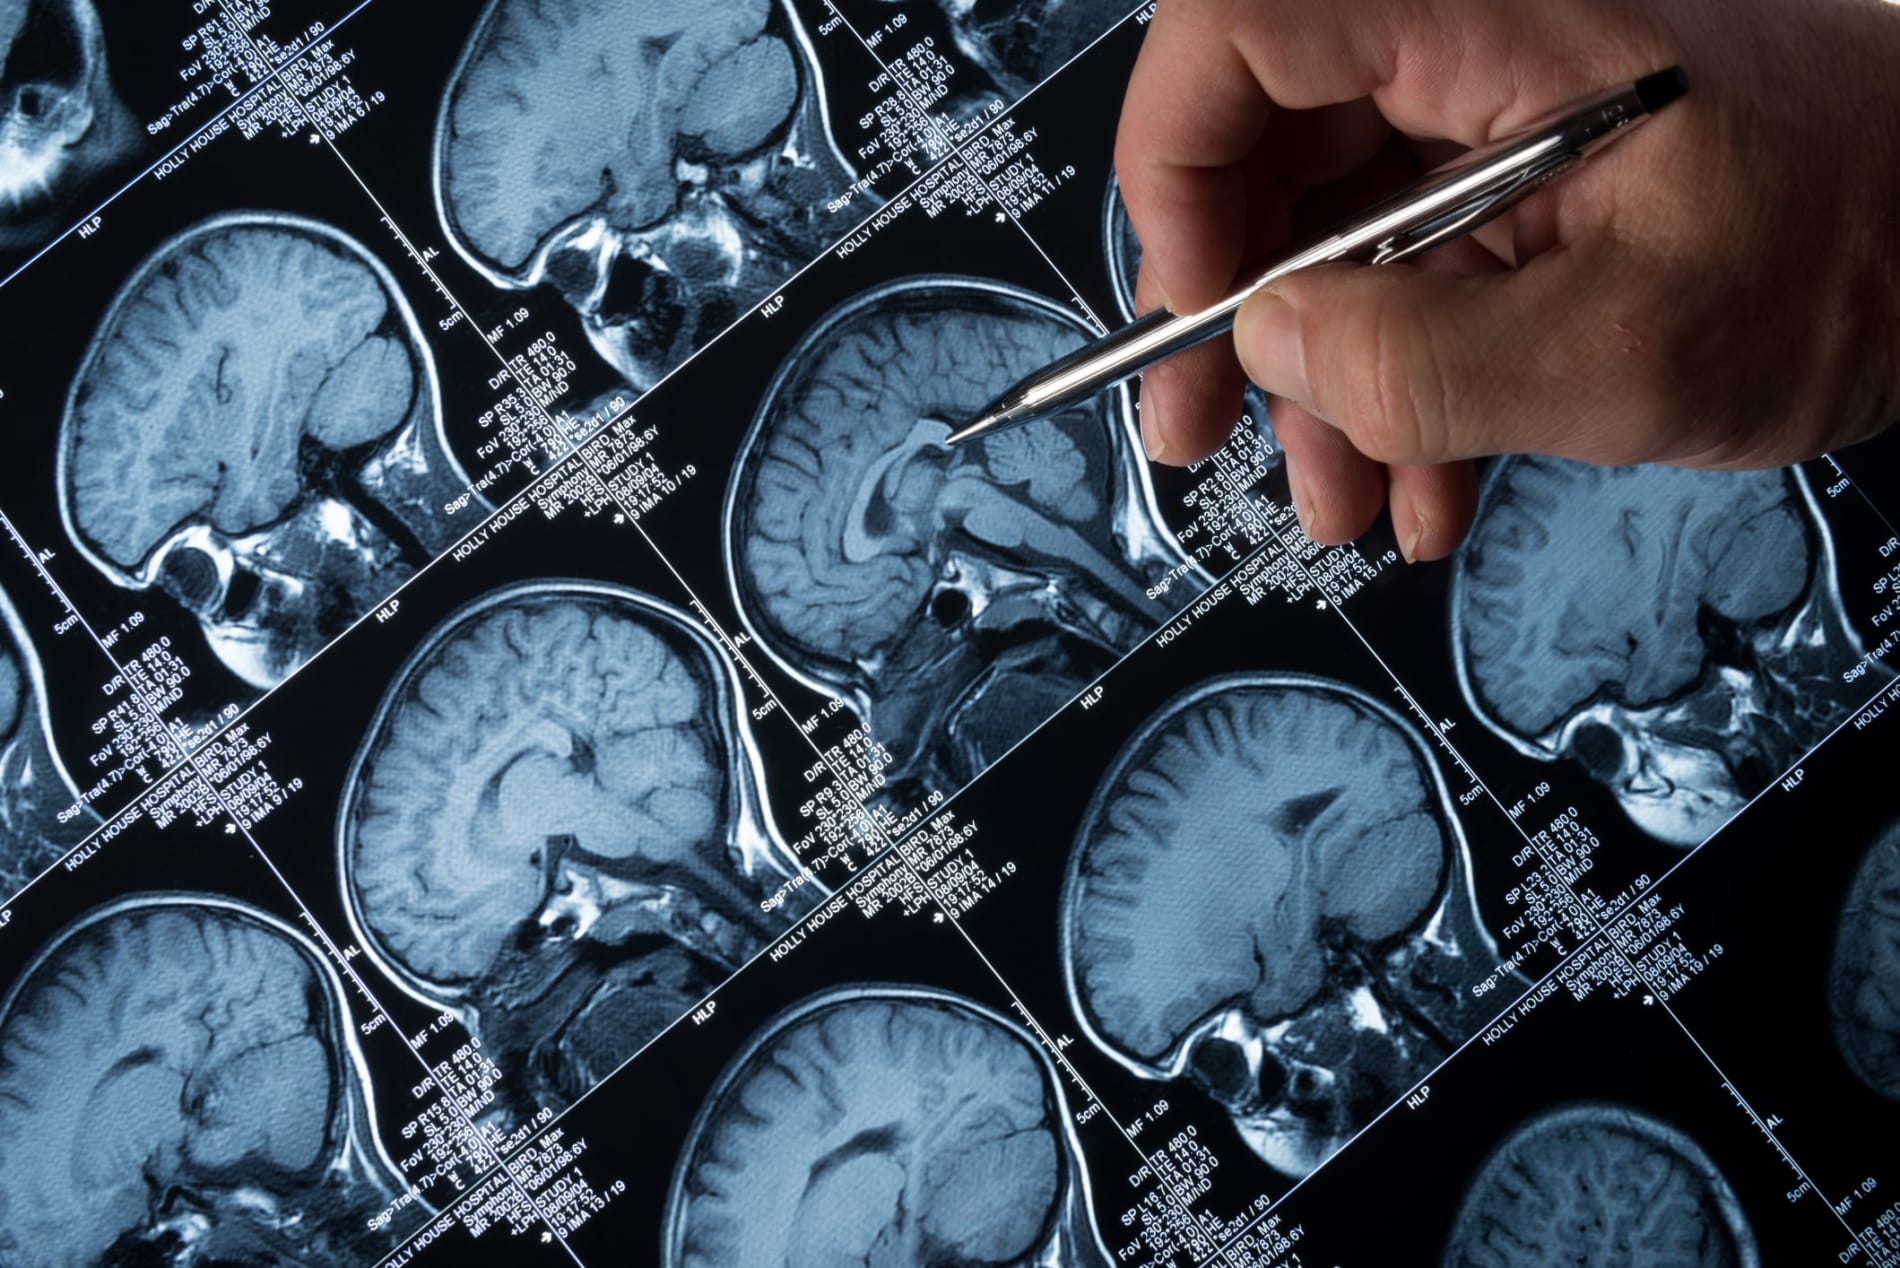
{"x": 256, "y": 433}
{"x": 1599, "y": 1186}
{"x": 62, "y": 125}
{"x": 953, "y": 597}
{"x": 554, "y": 828}
{"x": 1269, "y": 897}
{"x": 179, "y": 1085}
{"x": 1864, "y": 975}
{"x": 887, "y": 1126}
{"x": 41, "y": 815}
{"x": 1678, "y": 634}
{"x": 662, "y": 166}
{"x": 1123, "y": 251}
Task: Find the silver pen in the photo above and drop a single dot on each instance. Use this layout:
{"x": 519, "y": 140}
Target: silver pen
{"x": 1442, "y": 205}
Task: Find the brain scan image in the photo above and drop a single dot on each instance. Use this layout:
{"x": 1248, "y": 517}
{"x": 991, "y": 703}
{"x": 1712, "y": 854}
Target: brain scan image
{"x": 662, "y": 166}
{"x": 1123, "y": 250}
{"x": 256, "y": 433}
{"x": 1269, "y": 898}
{"x": 41, "y": 816}
{"x": 179, "y": 1085}
{"x": 1864, "y": 976}
{"x": 62, "y": 126}
{"x": 1678, "y": 634}
{"x": 1599, "y": 1186}
{"x": 553, "y": 828}
{"x": 953, "y": 597}
{"x": 883, "y": 1125}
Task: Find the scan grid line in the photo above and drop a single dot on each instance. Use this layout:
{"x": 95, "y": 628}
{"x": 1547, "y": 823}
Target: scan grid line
{"x": 954, "y": 148}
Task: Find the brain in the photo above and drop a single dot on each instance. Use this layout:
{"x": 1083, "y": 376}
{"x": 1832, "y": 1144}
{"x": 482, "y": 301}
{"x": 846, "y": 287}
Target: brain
{"x": 1580, "y": 582}
{"x": 1864, "y": 987}
{"x": 846, "y": 492}
{"x": 1248, "y": 825}
{"x": 153, "y": 1044}
{"x": 240, "y": 345}
{"x": 568, "y": 108}
{"x": 559, "y": 715}
{"x": 1598, "y": 1187}
{"x": 877, "y": 1130}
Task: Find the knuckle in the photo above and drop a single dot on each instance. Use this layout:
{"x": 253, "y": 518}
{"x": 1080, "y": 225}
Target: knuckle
{"x": 1395, "y": 392}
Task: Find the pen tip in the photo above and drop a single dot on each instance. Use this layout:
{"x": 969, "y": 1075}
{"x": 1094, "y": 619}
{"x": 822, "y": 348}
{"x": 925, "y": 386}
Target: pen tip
{"x": 977, "y": 428}
{"x": 1658, "y": 90}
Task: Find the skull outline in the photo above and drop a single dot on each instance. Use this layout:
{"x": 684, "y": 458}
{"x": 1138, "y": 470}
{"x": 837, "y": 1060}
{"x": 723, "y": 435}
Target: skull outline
{"x": 1282, "y": 1081}
{"x": 562, "y": 961}
{"x": 1010, "y": 620}
{"x": 578, "y": 255}
{"x": 1071, "y": 1240}
{"x": 1510, "y": 1176}
{"x": 1680, "y": 769}
{"x": 325, "y": 561}
{"x": 231, "y": 1210}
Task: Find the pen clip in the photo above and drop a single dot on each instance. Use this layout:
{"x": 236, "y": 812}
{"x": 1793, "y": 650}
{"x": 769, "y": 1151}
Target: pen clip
{"x": 1482, "y": 206}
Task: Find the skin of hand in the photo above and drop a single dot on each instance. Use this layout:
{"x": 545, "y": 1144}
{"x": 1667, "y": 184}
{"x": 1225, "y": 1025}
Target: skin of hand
{"x": 1719, "y": 289}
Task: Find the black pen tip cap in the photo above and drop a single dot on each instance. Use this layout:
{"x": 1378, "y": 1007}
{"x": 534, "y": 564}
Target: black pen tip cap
{"x": 1658, "y": 90}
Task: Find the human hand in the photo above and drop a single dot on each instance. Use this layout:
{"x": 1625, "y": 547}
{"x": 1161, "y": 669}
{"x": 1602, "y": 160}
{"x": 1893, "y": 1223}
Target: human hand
{"x": 1721, "y": 290}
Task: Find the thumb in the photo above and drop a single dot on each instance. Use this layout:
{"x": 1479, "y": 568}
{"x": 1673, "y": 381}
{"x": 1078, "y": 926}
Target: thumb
{"x": 1419, "y": 366}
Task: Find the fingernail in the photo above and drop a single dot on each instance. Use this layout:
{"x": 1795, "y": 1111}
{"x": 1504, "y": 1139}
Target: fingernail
{"x": 1151, "y": 441}
{"x": 1408, "y": 547}
{"x": 1267, "y": 336}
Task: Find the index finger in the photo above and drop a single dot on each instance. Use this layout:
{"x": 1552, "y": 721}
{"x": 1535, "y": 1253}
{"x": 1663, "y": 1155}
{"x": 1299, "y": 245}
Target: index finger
{"x": 1193, "y": 112}
{"x": 1197, "y": 106}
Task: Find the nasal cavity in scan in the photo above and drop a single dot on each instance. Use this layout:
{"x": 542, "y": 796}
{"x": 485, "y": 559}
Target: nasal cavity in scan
{"x": 193, "y": 576}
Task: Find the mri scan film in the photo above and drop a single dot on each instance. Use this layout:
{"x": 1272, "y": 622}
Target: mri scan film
{"x": 1269, "y": 897}
{"x": 663, "y": 167}
{"x": 1676, "y": 633}
{"x": 521, "y": 744}
{"x": 256, "y": 434}
{"x": 553, "y": 828}
{"x": 883, "y": 1125}
{"x": 955, "y": 598}
{"x": 1599, "y": 1186}
{"x": 179, "y": 1085}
